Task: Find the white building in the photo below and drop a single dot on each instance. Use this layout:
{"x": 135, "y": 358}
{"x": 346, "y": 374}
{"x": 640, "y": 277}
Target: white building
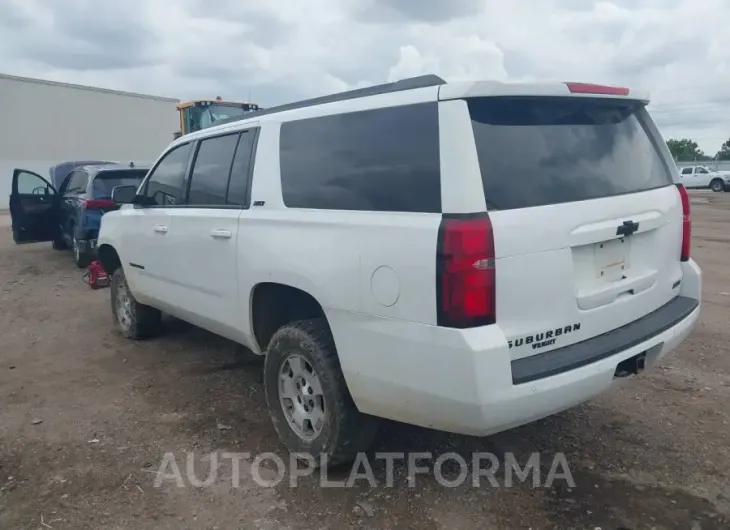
{"x": 45, "y": 123}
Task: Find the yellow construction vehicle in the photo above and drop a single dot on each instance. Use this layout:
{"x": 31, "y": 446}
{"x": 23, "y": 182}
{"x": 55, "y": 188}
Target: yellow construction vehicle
{"x": 198, "y": 114}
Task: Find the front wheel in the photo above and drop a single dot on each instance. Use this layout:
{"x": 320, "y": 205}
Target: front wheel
{"x": 135, "y": 321}
{"x": 307, "y": 397}
{"x": 717, "y": 185}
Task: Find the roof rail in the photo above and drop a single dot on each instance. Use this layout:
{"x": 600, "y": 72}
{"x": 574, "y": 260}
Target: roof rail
{"x": 410, "y": 83}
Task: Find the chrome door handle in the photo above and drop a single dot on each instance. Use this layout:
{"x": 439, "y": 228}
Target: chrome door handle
{"x": 160, "y": 229}
{"x": 221, "y": 234}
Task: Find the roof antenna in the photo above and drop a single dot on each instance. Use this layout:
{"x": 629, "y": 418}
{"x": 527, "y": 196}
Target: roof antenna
{"x": 131, "y": 164}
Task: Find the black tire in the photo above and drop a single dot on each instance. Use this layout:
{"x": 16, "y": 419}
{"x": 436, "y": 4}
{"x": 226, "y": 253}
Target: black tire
{"x": 81, "y": 258}
{"x": 717, "y": 185}
{"x": 142, "y": 321}
{"x": 346, "y": 431}
{"x": 59, "y": 243}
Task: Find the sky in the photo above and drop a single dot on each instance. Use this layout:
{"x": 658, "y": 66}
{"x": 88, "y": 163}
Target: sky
{"x": 278, "y": 51}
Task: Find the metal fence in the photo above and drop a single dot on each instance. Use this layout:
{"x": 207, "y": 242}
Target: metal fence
{"x": 720, "y": 165}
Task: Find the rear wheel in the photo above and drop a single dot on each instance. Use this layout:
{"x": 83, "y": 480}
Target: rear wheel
{"x": 81, "y": 257}
{"x": 307, "y": 397}
{"x": 59, "y": 243}
{"x": 135, "y": 320}
{"x": 717, "y": 185}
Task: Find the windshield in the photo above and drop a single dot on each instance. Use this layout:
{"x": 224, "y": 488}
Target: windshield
{"x": 539, "y": 151}
{"x": 106, "y": 181}
{"x": 215, "y": 112}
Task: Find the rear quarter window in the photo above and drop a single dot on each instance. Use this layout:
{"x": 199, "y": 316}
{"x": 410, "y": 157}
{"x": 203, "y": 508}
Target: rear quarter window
{"x": 540, "y": 151}
{"x": 375, "y": 160}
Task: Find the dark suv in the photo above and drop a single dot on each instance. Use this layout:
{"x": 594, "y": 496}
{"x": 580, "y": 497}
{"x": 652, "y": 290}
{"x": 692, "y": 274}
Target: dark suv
{"x": 72, "y": 214}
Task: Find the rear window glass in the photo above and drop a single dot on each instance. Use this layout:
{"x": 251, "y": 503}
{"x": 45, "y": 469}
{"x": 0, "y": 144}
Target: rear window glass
{"x": 539, "y": 151}
{"x": 106, "y": 181}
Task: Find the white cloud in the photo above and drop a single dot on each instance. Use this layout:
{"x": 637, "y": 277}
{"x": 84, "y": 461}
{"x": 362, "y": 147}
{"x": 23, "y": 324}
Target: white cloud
{"x": 282, "y": 50}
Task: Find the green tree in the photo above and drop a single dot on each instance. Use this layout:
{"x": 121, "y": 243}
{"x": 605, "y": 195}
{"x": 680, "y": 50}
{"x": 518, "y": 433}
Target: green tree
{"x": 724, "y": 152}
{"x": 686, "y": 150}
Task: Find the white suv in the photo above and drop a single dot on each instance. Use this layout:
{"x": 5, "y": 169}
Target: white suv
{"x": 468, "y": 257}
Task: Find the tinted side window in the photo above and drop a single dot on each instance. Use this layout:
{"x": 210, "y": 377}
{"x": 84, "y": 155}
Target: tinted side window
{"x": 209, "y": 180}
{"x": 378, "y": 160}
{"x": 687, "y": 171}
{"x": 166, "y": 182}
{"x": 238, "y": 188}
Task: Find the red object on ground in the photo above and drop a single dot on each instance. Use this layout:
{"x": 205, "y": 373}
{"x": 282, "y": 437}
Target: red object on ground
{"x": 97, "y": 276}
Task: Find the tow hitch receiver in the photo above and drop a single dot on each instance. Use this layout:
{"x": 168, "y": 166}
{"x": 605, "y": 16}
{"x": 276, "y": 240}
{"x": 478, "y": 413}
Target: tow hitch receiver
{"x": 631, "y": 366}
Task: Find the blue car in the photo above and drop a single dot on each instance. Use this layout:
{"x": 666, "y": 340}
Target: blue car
{"x": 68, "y": 214}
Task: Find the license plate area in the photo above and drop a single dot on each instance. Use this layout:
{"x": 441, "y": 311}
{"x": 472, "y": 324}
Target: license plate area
{"x": 612, "y": 259}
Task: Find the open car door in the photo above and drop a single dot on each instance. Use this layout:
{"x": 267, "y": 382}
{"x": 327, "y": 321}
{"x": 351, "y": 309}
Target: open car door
{"x": 34, "y": 208}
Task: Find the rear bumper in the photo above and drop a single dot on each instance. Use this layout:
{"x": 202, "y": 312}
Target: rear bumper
{"x": 448, "y": 380}
{"x": 590, "y": 351}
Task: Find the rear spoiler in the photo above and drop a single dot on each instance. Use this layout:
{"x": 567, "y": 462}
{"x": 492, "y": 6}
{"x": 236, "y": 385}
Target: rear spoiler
{"x": 461, "y": 90}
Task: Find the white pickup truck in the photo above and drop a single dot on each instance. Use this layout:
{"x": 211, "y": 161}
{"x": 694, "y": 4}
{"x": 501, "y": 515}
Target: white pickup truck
{"x": 704, "y": 177}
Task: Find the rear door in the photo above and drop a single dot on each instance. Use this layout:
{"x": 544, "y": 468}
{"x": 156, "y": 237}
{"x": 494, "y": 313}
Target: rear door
{"x": 33, "y": 208}
{"x": 587, "y": 221}
{"x": 97, "y": 199}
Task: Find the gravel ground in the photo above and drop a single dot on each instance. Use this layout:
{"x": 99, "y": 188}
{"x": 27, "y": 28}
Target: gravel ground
{"x": 87, "y": 416}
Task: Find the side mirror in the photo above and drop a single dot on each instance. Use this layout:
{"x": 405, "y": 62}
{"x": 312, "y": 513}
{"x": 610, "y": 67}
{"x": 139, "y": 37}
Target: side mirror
{"x": 124, "y": 194}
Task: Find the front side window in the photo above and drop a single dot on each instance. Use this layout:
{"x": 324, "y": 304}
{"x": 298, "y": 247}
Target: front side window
{"x": 166, "y": 183}
{"x": 32, "y": 184}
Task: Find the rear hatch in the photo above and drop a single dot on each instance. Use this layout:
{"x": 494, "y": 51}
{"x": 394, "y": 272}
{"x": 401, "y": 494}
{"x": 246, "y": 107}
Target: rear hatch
{"x": 100, "y": 201}
{"x": 105, "y": 181}
{"x": 587, "y": 221}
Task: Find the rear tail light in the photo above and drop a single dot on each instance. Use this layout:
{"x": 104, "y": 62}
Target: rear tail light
{"x": 465, "y": 271}
{"x": 98, "y": 204}
{"x": 686, "y": 223}
{"x": 587, "y": 88}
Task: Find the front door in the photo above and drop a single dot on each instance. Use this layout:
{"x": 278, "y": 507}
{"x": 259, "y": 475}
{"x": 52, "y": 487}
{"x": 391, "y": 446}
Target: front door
{"x": 702, "y": 178}
{"x": 149, "y": 262}
{"x": 206, "y": 266}
{"x": 33, "y": 208}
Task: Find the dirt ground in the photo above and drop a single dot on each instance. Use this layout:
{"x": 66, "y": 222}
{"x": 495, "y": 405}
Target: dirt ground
{"x": 86, "y": 417}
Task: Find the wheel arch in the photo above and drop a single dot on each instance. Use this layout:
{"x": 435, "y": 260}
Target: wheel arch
{"x": 275, "y": 304}
{"x": 109, "y": 258}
